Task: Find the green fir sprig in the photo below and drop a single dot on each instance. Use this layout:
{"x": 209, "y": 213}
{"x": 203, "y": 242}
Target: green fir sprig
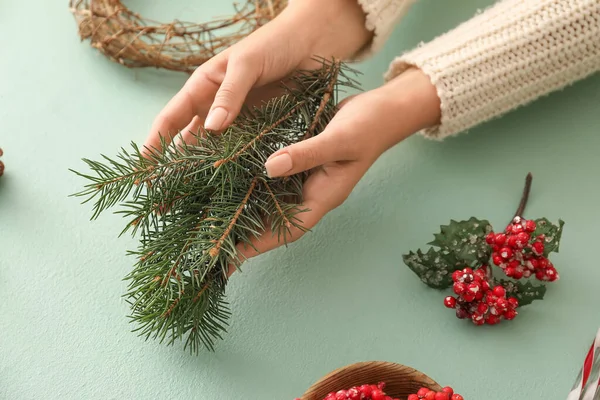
{"x": 191, "y": 205}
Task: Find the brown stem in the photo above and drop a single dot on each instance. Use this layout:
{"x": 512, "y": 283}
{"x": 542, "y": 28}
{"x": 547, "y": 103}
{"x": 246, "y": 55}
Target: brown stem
{"x": 285, "y": 219}
{"x": 326, "y": 97}
{"x": 525, "y": 196}
{"x": 197, "y": 297}
{"x": 215, "y": 250}
{"x": 171, "y": 307}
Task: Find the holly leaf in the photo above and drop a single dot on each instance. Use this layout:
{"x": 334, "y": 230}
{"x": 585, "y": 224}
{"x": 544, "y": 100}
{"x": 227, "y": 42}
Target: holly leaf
{"x": 434, "y": 268}
{"x": 465, "y": 240}
{"x": 526, "y": 292}
{"x": 552, "y": 233}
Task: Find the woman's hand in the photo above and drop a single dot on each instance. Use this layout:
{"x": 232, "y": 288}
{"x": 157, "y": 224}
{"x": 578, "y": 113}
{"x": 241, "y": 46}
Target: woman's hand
{"x": 252, "y": 69}
{"x": 364, "y": 128}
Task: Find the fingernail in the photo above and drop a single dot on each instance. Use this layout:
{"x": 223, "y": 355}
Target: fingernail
{"x": 215, "y": 119}
{"x": 279, "y": 165}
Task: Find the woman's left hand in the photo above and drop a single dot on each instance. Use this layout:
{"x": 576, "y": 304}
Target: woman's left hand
{"x": 364, "y": 128}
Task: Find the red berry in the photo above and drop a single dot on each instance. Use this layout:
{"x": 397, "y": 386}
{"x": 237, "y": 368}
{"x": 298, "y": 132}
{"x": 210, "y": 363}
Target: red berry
{"x": 442, "y": 396}
{"x": 543, "y": 262}
{"x": 482, "y": 308}
{"x": 532, "y": 263}
{"x": 538, "y": 247}
{"x": 381, "y": 385}
{"x": 500, "y": 239}
{"x": 523, "y": 239}
{"x": 459, "y": 288}
{"x": 341, "y": 395}
{"x": 540, "y": 274}
{"x": 413, "y": 397}
{"x": 513, "y": 302}
{"x": 477, "y": 319}
{"x": 474, "y": 287}
{"x": 366, "y": 390}
{"x": 469, "y": 297}
{"x": 502, "y": 304}
{"x": 479, "y": 274}
{"x": 499, "y": 291}
{"x": 492, "y": 319}
{"x": 448, "y": 390}
{"x": 450, "y": 302}
{"x": 430, "y": 396}
{"x": 512, "y": 241}
{"x": 353, "y": 394}
{"x": 377, "y": 394}
{"x": 510, "y": 314}
{"x": 497, "y": 259}
{"x": 506, "y": 253}
{"x": 551, "y": 274}
{"x": 423, "y": 391}
{"x": 490, "y": 238}
{"x": 485, "y": 286}
{"x": 510, "y": 271}
{"x": 468, "y": 271}
{"x": 518, "y": 274}
{"x": 530, "y": 225}
{"x": 491, "y": 299}
{"x": 456, "y": 275}
{"x": 516, "y": 229}
{"x": 457, "y": 397}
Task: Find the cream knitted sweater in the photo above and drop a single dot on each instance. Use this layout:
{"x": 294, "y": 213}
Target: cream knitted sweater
{"x": 504, "y": 57}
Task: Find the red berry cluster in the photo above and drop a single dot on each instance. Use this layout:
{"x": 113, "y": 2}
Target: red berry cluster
{"x": 363, "y": 392}
{"x": 519, "y": 253}
{"x": 477, "y": 300}
{"x": 447, "y": 393}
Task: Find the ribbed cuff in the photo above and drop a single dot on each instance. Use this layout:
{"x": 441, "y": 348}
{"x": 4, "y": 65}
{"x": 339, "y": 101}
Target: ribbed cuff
{"x": 505, "y": 57}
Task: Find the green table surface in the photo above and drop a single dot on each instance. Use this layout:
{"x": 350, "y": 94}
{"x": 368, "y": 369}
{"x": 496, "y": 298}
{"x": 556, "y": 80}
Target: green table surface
{"x": 338, "y": 296}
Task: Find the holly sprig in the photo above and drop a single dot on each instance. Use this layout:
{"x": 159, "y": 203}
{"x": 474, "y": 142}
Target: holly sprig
{"x": 465, "y": 254}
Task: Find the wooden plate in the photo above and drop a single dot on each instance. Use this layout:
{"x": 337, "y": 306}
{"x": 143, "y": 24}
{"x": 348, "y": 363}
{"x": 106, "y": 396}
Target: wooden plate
{"x": 400, "y": 380}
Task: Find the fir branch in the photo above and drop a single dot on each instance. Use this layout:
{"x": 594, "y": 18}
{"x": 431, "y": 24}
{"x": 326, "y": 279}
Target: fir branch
{"x": 191, "y": 205}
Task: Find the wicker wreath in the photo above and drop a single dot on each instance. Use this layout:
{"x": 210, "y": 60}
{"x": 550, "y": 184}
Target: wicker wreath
{"x": 134, "y": 41}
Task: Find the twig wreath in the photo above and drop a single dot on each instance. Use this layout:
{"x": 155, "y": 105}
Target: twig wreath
{"x": 129, "y": 39}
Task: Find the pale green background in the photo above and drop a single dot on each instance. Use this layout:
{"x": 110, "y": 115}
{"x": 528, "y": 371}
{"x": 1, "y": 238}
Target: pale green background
{"x": 338, "y": 296}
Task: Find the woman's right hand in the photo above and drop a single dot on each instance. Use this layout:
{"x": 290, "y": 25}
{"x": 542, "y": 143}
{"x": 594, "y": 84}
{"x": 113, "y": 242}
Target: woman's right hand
{"x": 251, "y": 69}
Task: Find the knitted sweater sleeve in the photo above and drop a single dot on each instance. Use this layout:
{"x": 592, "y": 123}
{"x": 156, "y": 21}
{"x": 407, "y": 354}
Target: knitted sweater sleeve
{"x": 505, "y": 57}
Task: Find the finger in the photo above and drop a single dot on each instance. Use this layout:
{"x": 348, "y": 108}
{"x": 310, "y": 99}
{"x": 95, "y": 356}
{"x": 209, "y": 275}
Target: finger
{"x": 239, "y": 79}
{"x": 306, "y": 155}
{"x": 193, "y": 99}
{"x": 189, "y": 133}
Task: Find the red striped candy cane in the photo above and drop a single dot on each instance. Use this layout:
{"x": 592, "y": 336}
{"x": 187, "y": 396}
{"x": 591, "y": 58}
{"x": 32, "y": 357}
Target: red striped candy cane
{"x": 587, "y": 384}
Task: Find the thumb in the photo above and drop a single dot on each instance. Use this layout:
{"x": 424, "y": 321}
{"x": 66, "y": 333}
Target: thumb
{"x": 239, "y": 79}
{"x": 303, "y": 156}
